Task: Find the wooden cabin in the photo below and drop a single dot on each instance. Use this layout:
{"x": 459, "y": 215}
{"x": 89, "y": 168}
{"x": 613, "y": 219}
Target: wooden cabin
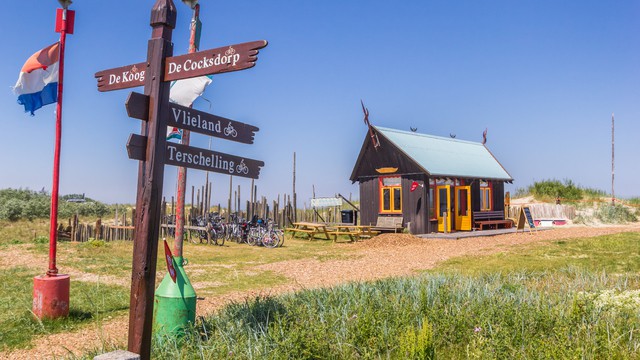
{"x": 429, "y": 183}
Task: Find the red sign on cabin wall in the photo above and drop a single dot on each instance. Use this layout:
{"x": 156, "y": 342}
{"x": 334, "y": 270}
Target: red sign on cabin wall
{"x": 414, "y": 186}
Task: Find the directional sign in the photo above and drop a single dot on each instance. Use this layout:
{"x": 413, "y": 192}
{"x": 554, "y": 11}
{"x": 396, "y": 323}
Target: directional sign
{"x": 204, "y": 123}
{"x": 213, "y": 61}
{"x": 122, "y": 77}
{"x": 137, "y": 147}
{"x": 137, "y": 106}
{"x": 197, "y": 158}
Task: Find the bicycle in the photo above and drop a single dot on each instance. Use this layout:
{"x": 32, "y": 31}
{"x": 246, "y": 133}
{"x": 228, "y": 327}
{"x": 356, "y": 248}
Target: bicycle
{"x": 215, "y": 229}
{"x": 201, "y": 236}
{"x": 242, "y": 168}
{"x": 230, "y": 131}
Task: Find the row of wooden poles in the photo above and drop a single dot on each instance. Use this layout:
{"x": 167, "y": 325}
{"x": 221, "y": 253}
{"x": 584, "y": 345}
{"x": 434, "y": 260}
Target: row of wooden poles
{"x": 281, "y": 210}
{"x": 545, "y": 211}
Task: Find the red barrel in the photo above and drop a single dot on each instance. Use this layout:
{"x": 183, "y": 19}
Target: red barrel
{"x": 51, "y": 296}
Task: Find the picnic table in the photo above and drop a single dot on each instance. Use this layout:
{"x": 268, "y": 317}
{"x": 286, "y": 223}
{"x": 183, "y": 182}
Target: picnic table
{"x": 311, "y": 229}
{"x": 344, "y": 229}
{"x": 354, "y": 232}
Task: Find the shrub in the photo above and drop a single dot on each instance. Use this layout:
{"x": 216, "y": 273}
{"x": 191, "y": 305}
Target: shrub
{"x": 417, "y": 344}
{"x": 615, "y": 214}
{"x": 11, "y": 210}
{"x": 16, "y": 204}
{"x": 551, "y": 189}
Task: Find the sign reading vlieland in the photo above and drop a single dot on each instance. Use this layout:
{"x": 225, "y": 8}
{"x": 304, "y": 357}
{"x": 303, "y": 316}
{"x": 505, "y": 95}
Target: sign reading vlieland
{"x": 208, "y": 124}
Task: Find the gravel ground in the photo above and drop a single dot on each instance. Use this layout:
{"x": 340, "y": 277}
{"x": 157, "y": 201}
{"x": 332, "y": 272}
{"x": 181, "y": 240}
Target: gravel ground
{"x": 386, "y": 255}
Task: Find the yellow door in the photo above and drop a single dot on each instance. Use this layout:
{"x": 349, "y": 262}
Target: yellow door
{"x": 463, "y": 207}
{"x": 443, "y": 208}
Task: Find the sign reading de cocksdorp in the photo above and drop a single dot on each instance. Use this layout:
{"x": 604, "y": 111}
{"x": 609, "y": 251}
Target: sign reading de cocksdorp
{"x": 203, "y": 159}
{"x": 213, "y": 61}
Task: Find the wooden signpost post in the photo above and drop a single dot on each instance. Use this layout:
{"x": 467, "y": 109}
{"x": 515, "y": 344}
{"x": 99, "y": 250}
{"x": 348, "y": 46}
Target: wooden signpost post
{"x": 153, "y": 151}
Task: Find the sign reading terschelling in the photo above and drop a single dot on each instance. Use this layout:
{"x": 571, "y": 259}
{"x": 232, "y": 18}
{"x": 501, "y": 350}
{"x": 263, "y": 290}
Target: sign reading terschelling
{"x": 203, "y": 159}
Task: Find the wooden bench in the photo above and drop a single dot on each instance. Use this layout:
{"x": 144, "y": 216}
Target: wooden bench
{"x": 388, "y": 223}
{"x": 491, "y": 219}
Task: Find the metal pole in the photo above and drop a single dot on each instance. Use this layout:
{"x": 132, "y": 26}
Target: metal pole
{"x": 53, "y": 226}
{"x": 186, "y": 135}
{"x": 613, "y": 196}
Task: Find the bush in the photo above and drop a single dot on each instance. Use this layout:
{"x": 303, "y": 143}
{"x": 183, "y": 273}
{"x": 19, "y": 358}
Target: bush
{"x": 16, "y": 204}
{"x": 615, "y": 214}
{"x": 11, "y": 210}
{"x": 417, "y": 344}
{"x": 551, "y": 189}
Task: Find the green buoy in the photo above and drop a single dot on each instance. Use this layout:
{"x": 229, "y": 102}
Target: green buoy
{"x": 175, "y": 303}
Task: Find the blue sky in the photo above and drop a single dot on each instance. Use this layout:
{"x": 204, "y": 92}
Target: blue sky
{"x": 542, "y": 76}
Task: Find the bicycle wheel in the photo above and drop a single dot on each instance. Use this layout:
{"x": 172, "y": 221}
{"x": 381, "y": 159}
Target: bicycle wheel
{"x": 213, "y": 236}
{"x": 270, "y": 240}
{"x": 203, "y": 235}
{"x": 220, "y": 239}
{"x": 194, "y": 238}
{"x": 254, "y": 237}
{"x": 280, "y": 237}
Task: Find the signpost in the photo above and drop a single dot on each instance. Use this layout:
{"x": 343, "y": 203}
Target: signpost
{"x": 153, "y": 151}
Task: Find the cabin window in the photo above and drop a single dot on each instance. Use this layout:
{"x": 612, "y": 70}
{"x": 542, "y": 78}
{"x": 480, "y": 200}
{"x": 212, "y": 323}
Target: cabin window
{"x": 485, "y": 198}
{"x": 432, "y": 200}
{"x": 390, "y": 195}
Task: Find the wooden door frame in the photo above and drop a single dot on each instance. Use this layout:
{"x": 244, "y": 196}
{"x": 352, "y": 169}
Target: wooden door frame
{"x": 462, "y": 223}
{"x": 438, "y": 210}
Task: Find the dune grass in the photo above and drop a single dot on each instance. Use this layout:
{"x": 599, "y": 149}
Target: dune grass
{"x": 213, "y": 270}
{"x": 567, "y": 299}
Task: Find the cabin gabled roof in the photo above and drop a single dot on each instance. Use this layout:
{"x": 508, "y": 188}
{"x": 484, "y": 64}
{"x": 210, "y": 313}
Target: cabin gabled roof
{"x": 437, "y": 156}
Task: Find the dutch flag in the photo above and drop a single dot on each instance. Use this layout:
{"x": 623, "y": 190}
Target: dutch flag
{"x": 37, "y": 84}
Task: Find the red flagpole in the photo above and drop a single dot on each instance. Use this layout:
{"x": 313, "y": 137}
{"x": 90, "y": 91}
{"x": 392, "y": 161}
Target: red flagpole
{"x": 51, "y": 291}
{"x": 53, "y": 227}
{"x": 182, "y": 172}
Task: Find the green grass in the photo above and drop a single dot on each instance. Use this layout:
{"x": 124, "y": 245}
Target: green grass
{"x": 22, "y": 232}
{"x": 562, "y": 300}
{"x": 614, "y": 254}
{"x": 213, "y": 270}
{"x": 89, "y": 303}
